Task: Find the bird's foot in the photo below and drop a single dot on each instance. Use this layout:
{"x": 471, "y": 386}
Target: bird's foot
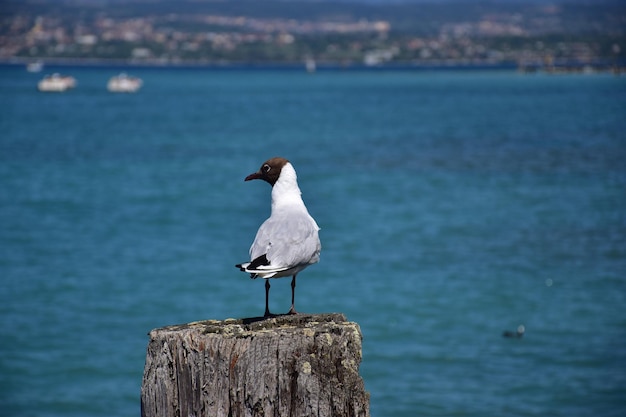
{"x": 292, "y": 310}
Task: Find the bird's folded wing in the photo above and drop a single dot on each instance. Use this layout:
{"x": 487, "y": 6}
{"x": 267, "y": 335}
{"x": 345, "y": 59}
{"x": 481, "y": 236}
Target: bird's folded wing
{"x": 288, "y": 240}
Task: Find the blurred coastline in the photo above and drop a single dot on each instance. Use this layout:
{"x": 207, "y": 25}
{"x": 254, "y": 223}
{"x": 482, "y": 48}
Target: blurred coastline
{"x": 560, "y": 36}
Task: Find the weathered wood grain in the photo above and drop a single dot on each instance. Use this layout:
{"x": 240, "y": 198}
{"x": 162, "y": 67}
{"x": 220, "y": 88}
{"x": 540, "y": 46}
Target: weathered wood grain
{"x": 295, "y": 365}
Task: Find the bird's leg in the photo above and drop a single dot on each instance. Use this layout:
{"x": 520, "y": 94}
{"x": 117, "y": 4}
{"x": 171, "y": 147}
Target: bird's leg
{"x": 267, "y": 298}
{"x": 292, "y": 310}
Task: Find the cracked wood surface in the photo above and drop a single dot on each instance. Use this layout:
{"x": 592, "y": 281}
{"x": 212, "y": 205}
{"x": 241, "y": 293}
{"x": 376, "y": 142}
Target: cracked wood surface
{"x": 293, "y": 365}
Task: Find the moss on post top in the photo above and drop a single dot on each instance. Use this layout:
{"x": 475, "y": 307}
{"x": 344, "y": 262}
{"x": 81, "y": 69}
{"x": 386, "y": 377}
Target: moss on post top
{"x": 246, "y": 326}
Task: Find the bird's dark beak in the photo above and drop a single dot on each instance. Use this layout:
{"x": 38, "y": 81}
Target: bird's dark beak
{"x": 255, "y": 176}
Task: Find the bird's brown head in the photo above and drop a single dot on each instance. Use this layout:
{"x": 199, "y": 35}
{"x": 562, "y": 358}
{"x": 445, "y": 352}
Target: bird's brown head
{"x": 269, "y": 171}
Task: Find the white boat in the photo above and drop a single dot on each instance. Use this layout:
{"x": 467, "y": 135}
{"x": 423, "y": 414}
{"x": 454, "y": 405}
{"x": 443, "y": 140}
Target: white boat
{"x": 310, "y": 65}
{"x": 124, "y": 84}
{"x": 35, "y": 66}
{"x": 56, "y": 83}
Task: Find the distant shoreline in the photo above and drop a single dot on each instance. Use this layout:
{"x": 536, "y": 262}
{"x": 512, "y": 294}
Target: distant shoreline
{"x": 321, "y": 66}
{"x": 564, "y": 67}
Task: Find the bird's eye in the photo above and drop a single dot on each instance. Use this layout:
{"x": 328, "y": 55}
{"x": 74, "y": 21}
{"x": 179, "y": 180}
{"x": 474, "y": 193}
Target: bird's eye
{"x": 266, "y": 168}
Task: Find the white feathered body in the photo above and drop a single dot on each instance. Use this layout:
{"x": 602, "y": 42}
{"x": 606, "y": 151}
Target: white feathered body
{"x": 289, "y": 237}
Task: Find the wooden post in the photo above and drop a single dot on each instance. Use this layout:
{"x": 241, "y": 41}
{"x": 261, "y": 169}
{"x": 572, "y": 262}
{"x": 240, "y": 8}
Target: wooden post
{"x": 293, "y": 365}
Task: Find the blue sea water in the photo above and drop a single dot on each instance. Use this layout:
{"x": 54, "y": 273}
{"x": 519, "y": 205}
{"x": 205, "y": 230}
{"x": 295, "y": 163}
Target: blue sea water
{"x": 454, "y": 205}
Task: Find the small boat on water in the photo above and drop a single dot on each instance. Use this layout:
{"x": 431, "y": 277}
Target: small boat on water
{"x": 56, "y": 83}
{"x": 35, "y": 66}
{"x": 124, "y": 84}
{"x": 310, "y": 65}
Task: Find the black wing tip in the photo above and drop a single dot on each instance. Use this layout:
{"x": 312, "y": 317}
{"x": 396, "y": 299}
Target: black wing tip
{"x": 261, "y": 260}
{"x": 242, "y": 269}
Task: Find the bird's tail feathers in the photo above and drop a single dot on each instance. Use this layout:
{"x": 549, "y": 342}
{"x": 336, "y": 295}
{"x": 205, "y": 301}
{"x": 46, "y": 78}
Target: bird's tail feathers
{"x": 242, "y": 266}
{"x": 260, "y": 271}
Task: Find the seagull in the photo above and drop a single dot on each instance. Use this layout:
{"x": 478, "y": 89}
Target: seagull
{"x": 288, "y": 241}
